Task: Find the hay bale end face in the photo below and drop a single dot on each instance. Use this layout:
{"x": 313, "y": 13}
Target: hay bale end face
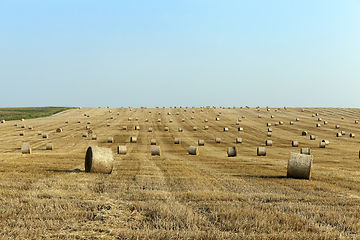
{"x": 39, "y": 132}
{"x": 338, "y": 134}
{"x": 232, "y": 151}
{"x": 22, "y": 133}
{"x": 206, "y": 127}
{"x": 25, "y": 149}
{"x": 327, "y": 142}
{"x": 305, "y": 151}
{"x": 59, "y": 130}
{"x": 269, "y": 134}
{"x": 193, "y": 150}
{"x": 299, "y": 166}
{"x": 304, "y": 133}
{"x": 155, "y": 151}
{"x": 99, "y": 160}
{"x": 121, "y": 149}
{"x": 194, "y": 128}
{"x": 226, "y": 129}
{"x": 124, "y": 127}
{"x": 261, "y": 151}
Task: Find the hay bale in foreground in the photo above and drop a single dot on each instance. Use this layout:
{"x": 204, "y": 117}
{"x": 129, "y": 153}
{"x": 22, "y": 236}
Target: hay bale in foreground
{"x": 261, "y": 151}
{"x": 121, "y": 149}
{"x": 49, "y": 146}
{"x": 25, "y": 149}
{"x": 299, "y": 166}
{"x": 3, "y": 121}
{"x": 99, "y": 160}
{"x": 232, "y": 151}
{"x": 193, "y": 150}
{"x": 155, "y": 151}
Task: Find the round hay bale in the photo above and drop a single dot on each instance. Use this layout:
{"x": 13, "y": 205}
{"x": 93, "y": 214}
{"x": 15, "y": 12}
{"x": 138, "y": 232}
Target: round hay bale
{"x": 291, "y": 123}
{"x": 217, "y": 119}
{"x": 303, "y": 110}
{"x": 268, "y": 124}
{"x": 85, "y": 134}
{"x": 272, "y": 116}
{"x": 325, "y": 122}
{"x": 169, "y": 113}
{"x": 133, "y": 139}
{"x": 276, "y": 123}
{"x": 269, "y": 129}
{"x": 304, "y": 133}
{"x": 129, "y": 119}
{"x": 108, "y": 124}
{"x": 318, "y": 125}
{"x": 261, "y": 151}
{"x": 192, "y": 117}
{"x": 312, "y": 137}
{"x": 177, "y": 113}
{"x": 124, "y": 127}
{"x": 343, "y": 132}
{"x": 295, "y": 143}
{"x": 180, "y": 129}
{"x": 269, "y": 134}
{"x": 183, "y": 120}
{"x": 85, "y": 114}
{"x": 170, "y": 121}
{"x": 22, "y": 120}
{"x": 88, "y": 122}
{"x": 99, "y": 160}
{"x": 166, "y": 129}
{"x": 3, "y": 121}
{"x": 90, "y": 131}
{"x": 342, "y": 118}
{"x": 338, "y": 134}
{"x": 15, "y": 124}
{"x": 356, "y": 121}
{"x": 177, "y": 141}
{"x": 240, "y": 129}
{"x": 49, "y": 146}
{"x": 110, "y": 140}
{"x": 327, "y": 142}
{"x": 205, "y": 120}
{"x": 217, "y": 140}
{"x": 25, "y": 149}
{"x": 122, "y": 149}
{"x": 299, "y": 166}
{"x": 150, "y": 130}
{"x": 232, "y": 151}
{"x": 78, "y": 121}
{"x": 159, "y": 113}
{"x": 45, "y": 135}
{"x": 155, "y": 151}
{"x": 87, "y": 127}
{"x": 201, "y": 142}
{"x": 206, "y": 127}
{"x": 94, "y": 137}
{"x": 226, "y": 129}
{"x": 238, "y": 140}
{"x": 137, "y": 127}
{"x": 281, "y": 122}
{"x": 146, "y": 120}
{"x": 67, "y": 121}
{"x": 193, "y": 150}
{"x": 117, "y": 113}
{"x": 23, "y": 126}
{"x": 305, "y": 151}
{"x": 352, "y": 135}
{"x": 313, "y": 115}
{"x": 153, "y": 141}
{"x": 259, "y": 116}
{"x": 337, "y": 126}
{"x": 111, "y": 117}
{"x": 159, "y": 120}
{"x": 319, "y": 119}
{"x": 268, "y": 142}
{"x": 22, "y": 133}
{"x": 194, "y": 128}
{"x": 322, "y": 144}
{"x": 237, "y": 123}
{"x": 242, "y": 116}
{"x": 59, "y": 130}
{"x": 39, "y": 132}
{"x": 297, "y": 119}
{"x": 149, "y": 111}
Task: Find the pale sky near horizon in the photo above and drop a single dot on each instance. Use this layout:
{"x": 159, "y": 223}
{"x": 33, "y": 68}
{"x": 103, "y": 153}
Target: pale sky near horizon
{"x": 301, "y": 53}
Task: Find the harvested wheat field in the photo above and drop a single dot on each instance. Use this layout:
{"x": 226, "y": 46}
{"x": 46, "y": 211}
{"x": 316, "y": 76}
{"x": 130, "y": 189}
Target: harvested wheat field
{"x": 175, "y": 195}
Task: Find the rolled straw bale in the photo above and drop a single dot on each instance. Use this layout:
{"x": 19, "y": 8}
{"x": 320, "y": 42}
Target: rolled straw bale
{"x": 356, "y": 121}
{"x": 276, "y": 123}
{"x": 272, "y": 116}
{"x": 166, "y": 129}
{"x": 342, "y": 118}
{"x": 177, "y": 141}
{"x": 99, "y": 160}
{"x": 312, "y": 137}
{"x": 268, "y": 124}
{"x": 281, "y": 122}
{"x": 243, "y": 116}
{"x": 352, "y": 135}
{"x": 39, "y": 132}
{"x": 15, "y": 124}
{"x": 268, "y": 142}
{"x": 159, "y": 113}
{"x": 22, "y": 133}
{"x": 122, "y": 149}
{"x": 343, "y": 132}
{"x": 146, "y": 120}
{"x": 206, "y": 127}
{"x": 78, "y": 121}
{"x": 303, "y": 110}
{"x": 217, "y": 140}
{"x": 193, "y": 150}
{"x": 149, "y": 111}
{"x": 45, "y": 135}
{"x": 240, "y": 129}
{"x": 337, "y": 126}
{"x": 94, "y": 137}
{"x": 169, "y": 113}
{"x": 201, "y": 142}
{"x": 226, "y": 129}
{"x": 232, "y": 151}
{"x": 153, "y": 141}
{"x": 318, "y": 125}
{"x": 111, "y": 117}
{"x": 291, "y": 123}
{"x": 259, "y": 116}
{"x": 117, "y": 113}
{"x": 319, "y": 119}
{"x": 327, "y": 142}
{"x": 150, "y": 130}
{"x": 108, "y": 124}
{"x": 338, "y": 134}
{"x": 295, "y": 143}
{"x": 183, "y": 120}
{"x": 205, "y": 120}
{"x": 322, "y": 144}
{"x": 192, "y": 111}
{"x": 325, "y": 122}
{"x": 23, "y": 126}
{"x": 30, "y": 127}
{"x": 238, "y": 140}
{"x": 304, "y": 133}
{"x": 297, "y": 119}
{"x": 261, "y": 151}
{"x": 269, "y": 134}
{"x": 88, "y": 122}
{"x": 124, "y": 127}
{"x": 177, "y": 113}
{"x": 85, "y": 114}
{"x": 90, "y": 131}
{"x": 137, "y": 127}
{"x": 155, "y": 151}
{"x": 22, "y": 120}
{"x": 133, "y": 139}
{"x": 136, "y": 119}
{"x": 180, "y": 129}
{"x": 85, "y": 134}
{"x": 67, "y": 121}
{"x": 275, "y": 110}
{"x": 59, "y": 130}
{"x": 110, "y": 140}
{"x": 49, "y": 146}
{"x": 299, "y": 166}
{"x": 313, "y": 115}
{"x": 217, "y": 119}
{"x": 305, "y": 151}
{"x": 159, "y": 120}
{"x": 129, "y": 119}
{"x": 170, "y": 120}
{"x": 192, "y": 117}
{"x": 25, "y": 148}
{"x": 87, "y": 127}
{"x": 237, "y": 123}
{"x": 194, "y": 128}
{"x": 269, "y": 129}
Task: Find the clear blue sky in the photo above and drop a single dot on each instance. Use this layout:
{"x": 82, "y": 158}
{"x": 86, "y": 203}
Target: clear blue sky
{"x": 172, "y": 53}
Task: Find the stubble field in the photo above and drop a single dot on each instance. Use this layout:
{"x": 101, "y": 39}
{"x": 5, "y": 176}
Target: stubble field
{"x": 47, "y": 194}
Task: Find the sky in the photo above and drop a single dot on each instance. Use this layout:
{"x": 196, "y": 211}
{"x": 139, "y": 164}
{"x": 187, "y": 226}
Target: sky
{"x": 298, "y": 53}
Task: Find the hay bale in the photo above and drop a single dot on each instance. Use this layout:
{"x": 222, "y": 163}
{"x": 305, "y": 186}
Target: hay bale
{"x": 269, "y": 129}
{"x": 67, "y": 121}
{"x": 94, "y": 137}
{"x": 25, "y": 148}
{"x": 291, "y": 123}
{"x": 237, "y": 123}
{"x": 343, "y": 132}
{"x": 169, "y": 113}
{"x": 272, "y": 116}
{"x": 259, "y": 116}
{"x": 240, "y": 129}
{"x": 217, "y": 119}
{"x": 170, "y": 121}
{"x": 304, "y": 133}
{"x": 121, "y": 149}
{"x": 133, "y": 139}
{"x": 22, "y": 126}
{"x": 206, "y": 127}
{"x": 153, "y": 141}
{"x": 299, "y": 166}
{"x": 303, "y": 110}
{"x": 15, "y": 124}
{"x": 297, "y": 119}
{"x": 268, "y": 142}
{"x": 3, "y": 121}
{"x": 159, "y": 120}
{"x": 269, "y": 134}
{"x": 194, "y": 128}
{"x": 85, "y": 134}
{"x": 356, "y": 121}
{"x": 124, "y": 127}
{"x": 239, "y": 120}
{"x": 117, "y": 113}
{"x": 338, "y": 134}
{"x": 155, "y": 151}
{"x": 192, "y": 117}
{"x": 110, "y": 140}
{"x": 312, "y": 137}
{"x": 327, "y": 142}
{"x": 205, "y": 120}
{"x": 22, "y": 133}
{"x": 180, "y": 129}
{"x": 238, "y": 140}
{"x": 243, "y": 116}
{"x": 39, "y": 132}
{"x": 59, "y": 130}
{"x": 352, "y": 135}
{"x": 261, "y": 151}
{"x": 295, "y": 143}
{"x": 87, "y": 127}
{"x": 322, "y": 144}
{"x": 342, "y": 118}
{"x": 325, "y": 122}
{"x": 201, "y": 142}
{"x": 337, "y": 126}
{"x": 276, "y": 124}
{"x": 49, "y": 146}
{"x": 226, "y": 129}
{"x": 146, "y": 120}
{"x": 99, "y": 160}
{"x": 305, "y": 151}
{"x": 166, "y": 129}
{"x": 137, "y": 127}
{"x": 88, "y": 122}
{"x": 232, "y": 151}
{"x": 108, "y": 124}
{"x": 318, "y": 125}
{"x": 78, "y": 121}
{"x": 129, "y": 119}
{"x": 217, "y": 140}
{"x": 319, "y": 119}
{"x": 183, "y": 120}
{"x": 268, "y": 124}
{"x": 22, "y": 120}
{"x": 30, "y": 127}
{"x": 177, "y": 141}
{"x": 193, "y": 150}
{"x": 150, "y": 130}
{"x": 281, "y": 122}
{"x": 45, "y": 135}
